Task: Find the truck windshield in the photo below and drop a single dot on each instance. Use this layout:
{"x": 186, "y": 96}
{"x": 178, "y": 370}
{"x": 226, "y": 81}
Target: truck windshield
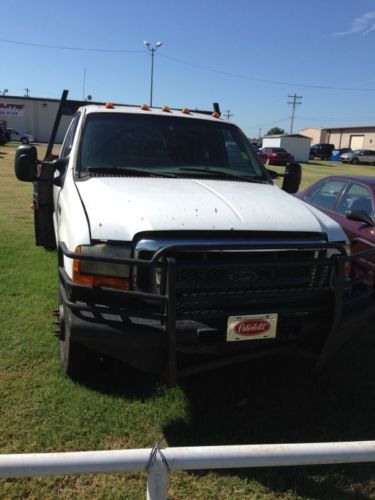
{"x": 180, "y": 146}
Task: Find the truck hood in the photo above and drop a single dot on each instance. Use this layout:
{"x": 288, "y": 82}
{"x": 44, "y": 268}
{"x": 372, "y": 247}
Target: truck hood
{"x": 118, "y": 208}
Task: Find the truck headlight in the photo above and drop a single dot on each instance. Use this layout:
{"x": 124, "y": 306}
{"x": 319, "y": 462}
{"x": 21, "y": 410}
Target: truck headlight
{"x": 99, "y": 273}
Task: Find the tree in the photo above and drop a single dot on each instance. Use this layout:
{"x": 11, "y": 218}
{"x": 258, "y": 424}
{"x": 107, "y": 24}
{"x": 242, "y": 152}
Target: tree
{"x": 276, "y": 131}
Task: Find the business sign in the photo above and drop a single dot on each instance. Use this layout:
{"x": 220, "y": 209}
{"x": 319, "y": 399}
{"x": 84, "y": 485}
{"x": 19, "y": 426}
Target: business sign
{"x": 11, "y": 109}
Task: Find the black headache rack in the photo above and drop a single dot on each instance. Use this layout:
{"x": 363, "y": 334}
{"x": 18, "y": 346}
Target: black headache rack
{"x": 185, "y": 310}
{"x": 70, "y": 107}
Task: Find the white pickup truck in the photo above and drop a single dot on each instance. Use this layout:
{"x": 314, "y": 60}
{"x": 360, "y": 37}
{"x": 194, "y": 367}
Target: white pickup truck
{"x": 176, "y": 251}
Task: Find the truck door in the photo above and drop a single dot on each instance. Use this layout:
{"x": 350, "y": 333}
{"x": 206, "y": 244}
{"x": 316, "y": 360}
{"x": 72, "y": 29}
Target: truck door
{"x": 46, "y": 194}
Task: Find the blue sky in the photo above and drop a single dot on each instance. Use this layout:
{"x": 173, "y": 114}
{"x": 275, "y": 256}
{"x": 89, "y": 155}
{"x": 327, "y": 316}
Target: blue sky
{"x": 247, "y": 55}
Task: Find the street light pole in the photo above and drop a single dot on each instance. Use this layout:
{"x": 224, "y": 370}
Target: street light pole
{"x": 152, "y": 51}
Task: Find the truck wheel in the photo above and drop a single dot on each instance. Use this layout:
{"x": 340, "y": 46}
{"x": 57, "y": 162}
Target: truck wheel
{"x": 355, "y": 161}
{"x": 24, "y": 140}
{"x": 71, "y": 354}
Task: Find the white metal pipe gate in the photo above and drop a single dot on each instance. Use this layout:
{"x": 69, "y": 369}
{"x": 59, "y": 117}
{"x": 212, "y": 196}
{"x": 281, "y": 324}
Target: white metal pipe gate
{"x": 159, "y": 461}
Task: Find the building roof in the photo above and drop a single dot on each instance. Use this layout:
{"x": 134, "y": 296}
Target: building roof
{"x": 311, "y": 128}
{"x": 351, "y": 127}
{"x": 286, "y": 135}
{"x": 24, "y": 98}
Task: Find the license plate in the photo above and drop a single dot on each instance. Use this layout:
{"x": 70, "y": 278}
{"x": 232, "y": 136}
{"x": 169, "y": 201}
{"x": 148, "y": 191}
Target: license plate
{"x": 257, "y": 326}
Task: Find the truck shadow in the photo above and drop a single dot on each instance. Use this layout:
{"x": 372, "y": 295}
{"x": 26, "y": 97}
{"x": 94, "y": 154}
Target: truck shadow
{"x": 287, "y": 401}
{"x": 273, "y": 400}
{"x": 112, "y": 377}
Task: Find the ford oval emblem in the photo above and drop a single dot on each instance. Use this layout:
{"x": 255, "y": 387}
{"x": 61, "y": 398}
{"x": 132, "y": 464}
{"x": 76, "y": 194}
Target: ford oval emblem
{"x": 252, "y": 327}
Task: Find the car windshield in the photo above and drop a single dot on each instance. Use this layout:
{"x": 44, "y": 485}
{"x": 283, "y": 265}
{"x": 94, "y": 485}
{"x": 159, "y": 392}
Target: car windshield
{"x": 166, "y": 145}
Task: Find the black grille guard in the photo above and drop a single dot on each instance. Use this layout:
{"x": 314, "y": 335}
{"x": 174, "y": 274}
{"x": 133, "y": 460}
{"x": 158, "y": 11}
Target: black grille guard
{"x": 163, "y": 306}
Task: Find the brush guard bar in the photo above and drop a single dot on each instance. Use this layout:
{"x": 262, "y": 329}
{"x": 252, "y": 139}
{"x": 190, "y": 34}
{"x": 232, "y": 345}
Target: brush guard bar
{"x": 349, "y": 295}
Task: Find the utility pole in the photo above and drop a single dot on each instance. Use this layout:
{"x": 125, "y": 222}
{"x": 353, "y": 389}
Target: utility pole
{"x": 152, "y": 51}
{"x": 27, "y": 92}
{"x": 294, "y": 102}
{"x": 228, "y": 114}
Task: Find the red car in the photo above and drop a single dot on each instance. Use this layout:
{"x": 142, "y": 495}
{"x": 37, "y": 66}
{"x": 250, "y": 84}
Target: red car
{"x": 263, "y": 156}
{"x": 277, "y": 156}
{"x": 350, "y": 201}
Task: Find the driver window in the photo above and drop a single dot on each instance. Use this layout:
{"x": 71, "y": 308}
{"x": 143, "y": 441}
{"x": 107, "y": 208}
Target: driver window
{"x": 327, "y": 195}
{"x": 357, "y": 197}
{"x": 69, "y": 137}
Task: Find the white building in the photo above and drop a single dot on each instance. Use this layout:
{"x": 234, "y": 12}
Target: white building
{"x": 32, "y": 115}
{"x": 296, "y": 144}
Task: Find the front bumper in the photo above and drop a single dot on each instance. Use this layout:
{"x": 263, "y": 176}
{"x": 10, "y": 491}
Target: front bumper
{"x": 150, "y": 330}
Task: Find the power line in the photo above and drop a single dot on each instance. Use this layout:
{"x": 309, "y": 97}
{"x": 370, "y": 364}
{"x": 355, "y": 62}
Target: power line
{"x": 205, "y": 68}
{"x": 228, "y": 114}
{"x": 263, "y": 80}
{"x": 294, "y": 102}
{"x": 61, "y": 47}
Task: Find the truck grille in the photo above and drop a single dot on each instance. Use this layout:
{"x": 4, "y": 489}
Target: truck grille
{"x": 252, "y": 277}
{"x": 218, "y": 282}
{"x": 229, "y": 283}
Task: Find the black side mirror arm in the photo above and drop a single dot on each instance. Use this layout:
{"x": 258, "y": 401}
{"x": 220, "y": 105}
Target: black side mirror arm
{"x": 273, "y": 174}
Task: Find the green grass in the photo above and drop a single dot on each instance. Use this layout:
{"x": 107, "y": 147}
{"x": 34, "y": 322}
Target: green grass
{"x": 267, "y": 401}
{"x": 315, "y": 170}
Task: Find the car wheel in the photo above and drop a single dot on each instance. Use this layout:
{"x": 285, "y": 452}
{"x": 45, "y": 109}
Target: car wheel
{"x": 311, "y": 157}
{"x": 24, "y": 140}
{"x": 73, "y": 356}
{"x": 355, "y": 161}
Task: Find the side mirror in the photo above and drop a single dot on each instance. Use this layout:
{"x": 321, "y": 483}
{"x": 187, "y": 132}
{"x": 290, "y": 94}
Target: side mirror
{"x": 60, "y": 165}
{"x": 360, "y": 216}
{"x": 25, "y": 163}
{"x": 292, "y": 177}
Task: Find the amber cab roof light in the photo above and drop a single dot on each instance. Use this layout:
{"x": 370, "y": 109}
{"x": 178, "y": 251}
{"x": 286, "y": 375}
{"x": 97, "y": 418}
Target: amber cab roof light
{"x": 166, "y": 109}
{"x": 109, "y": 105}
{"x": 145, "y": 107}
